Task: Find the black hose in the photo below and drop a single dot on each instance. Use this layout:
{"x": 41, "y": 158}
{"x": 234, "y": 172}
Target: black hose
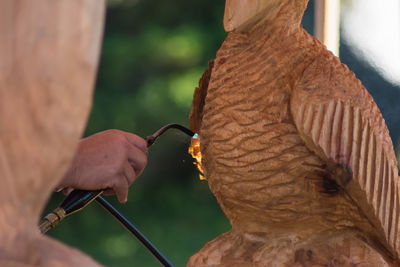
{"x": 132, "y": 228}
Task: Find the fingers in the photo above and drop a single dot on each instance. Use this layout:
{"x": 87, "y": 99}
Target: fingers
{"x": 129, "y": 173}
{"x": 137, "y": 158}
{"x": 136, "y": 141}
{"x": 67, "y": 191}
{"x": 58, "y": 189}
{"x": 120, "y": 188}
{"x": 108, "y": 192}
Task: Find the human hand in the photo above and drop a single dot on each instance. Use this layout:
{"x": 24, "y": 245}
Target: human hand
{"x": 109, "y": 160}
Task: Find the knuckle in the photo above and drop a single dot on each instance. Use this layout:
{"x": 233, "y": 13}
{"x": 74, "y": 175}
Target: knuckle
{"x": 143, "y": 160}
{"x": 114, "y": 131}
{"x": 116, "y": 135}
{"x": 143, "y": 163}
{"x": 142, "y": 144}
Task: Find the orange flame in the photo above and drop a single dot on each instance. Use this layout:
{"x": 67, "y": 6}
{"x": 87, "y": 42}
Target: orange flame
{"x": 194, "y": 150}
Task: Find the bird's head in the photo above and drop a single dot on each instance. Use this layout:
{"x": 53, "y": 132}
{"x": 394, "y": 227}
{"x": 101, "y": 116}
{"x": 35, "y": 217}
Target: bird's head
{"x": 241, "y": 15}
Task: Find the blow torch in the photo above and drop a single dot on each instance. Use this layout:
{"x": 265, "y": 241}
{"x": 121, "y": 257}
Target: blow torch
{"x": 78, "y": 199}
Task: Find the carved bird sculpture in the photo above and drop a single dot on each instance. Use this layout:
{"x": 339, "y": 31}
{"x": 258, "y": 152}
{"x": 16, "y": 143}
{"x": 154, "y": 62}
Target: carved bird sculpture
{"x": 294, "y": 148}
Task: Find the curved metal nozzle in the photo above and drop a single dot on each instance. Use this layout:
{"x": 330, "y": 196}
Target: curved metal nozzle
{"x": 152, "y": 138}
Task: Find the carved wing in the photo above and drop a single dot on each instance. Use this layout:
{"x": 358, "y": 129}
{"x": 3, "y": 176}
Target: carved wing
{"x": 199, "y": 97}
{"x": 340, "y": 122}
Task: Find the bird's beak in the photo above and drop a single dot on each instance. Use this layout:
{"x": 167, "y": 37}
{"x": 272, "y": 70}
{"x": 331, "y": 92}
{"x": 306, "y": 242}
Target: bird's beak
{"x": 228, "y": 15}
{"x": 236, "y": 12}
{"x": 242, "y": 14}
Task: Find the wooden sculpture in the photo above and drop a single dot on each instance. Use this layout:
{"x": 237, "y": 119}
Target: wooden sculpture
{"x": 48, "y": 59}
{"x": 294, "y": 148}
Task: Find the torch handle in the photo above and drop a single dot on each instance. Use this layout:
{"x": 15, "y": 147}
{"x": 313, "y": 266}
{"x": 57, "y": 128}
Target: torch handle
{"x": 132, "y": 228}
{"x": 75, "y": 201}
{"x": 79, "y": 199}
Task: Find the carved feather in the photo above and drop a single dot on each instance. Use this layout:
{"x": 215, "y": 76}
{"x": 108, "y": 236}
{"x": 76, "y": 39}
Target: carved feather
{"x": 340, "y": 122}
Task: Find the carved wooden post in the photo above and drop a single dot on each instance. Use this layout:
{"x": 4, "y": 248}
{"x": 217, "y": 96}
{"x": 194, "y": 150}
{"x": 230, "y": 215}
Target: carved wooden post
{"x": 294, "y": 148}
{"x": 49, "y": 52}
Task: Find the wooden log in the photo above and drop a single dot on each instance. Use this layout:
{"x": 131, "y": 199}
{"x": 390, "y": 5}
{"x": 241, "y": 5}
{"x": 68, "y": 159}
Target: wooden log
{"x": 49, "y": 54}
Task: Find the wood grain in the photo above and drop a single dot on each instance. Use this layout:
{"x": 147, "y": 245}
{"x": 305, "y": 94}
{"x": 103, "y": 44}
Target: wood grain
{"x": 365, "y": 151}
{"x": 296, "y": 152}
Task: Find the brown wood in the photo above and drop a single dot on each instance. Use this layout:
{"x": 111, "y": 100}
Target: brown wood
{"x": 49, "y": 52}
{"x": 200, "y": 93}
{"x": 295, "y": 151}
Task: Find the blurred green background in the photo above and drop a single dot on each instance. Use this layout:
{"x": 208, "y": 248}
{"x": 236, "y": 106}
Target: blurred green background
{"x": 154, "y": 53}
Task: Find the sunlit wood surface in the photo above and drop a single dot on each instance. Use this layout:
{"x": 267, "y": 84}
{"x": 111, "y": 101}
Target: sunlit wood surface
{"x": 295, "y": 151}
{"x": 49, "y": 53}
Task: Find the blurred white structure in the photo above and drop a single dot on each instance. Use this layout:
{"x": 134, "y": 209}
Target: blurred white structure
{"x": 327, "y": 23}
{"x": 372, "y": 28}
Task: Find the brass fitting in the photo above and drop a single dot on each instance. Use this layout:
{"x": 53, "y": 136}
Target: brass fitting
{"x": 51, "y": 220}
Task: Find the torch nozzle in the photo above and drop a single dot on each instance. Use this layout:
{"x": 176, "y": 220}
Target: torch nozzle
{"x": 152, "y": 138}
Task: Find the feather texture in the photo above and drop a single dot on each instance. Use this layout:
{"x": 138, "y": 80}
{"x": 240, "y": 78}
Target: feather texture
{"x": 296, "y": 152}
